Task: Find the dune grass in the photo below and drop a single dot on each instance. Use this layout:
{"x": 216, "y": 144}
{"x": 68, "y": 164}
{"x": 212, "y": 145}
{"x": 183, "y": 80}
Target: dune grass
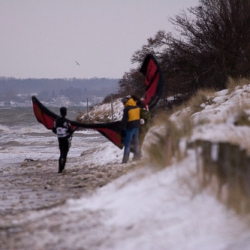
{"x": 167, "y": 140}
{"x": 177, "y": 126}
{"x": 234, "y": 83}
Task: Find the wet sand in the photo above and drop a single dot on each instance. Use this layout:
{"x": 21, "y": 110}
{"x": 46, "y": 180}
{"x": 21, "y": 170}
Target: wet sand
{"x": 36, "y": 186}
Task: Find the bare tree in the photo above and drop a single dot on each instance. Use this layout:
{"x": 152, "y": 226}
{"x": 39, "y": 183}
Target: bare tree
{"x": 132, "y": 83}
{"x": 212, "y": 43}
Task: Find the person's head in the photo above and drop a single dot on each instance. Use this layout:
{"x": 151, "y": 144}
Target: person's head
{"x": 141, "y": 104}
{"x": 138, "y": 101}
{"x": 125, "y": 99}
{"x": 63, "y": 111}
{"x": 135, "y": 98}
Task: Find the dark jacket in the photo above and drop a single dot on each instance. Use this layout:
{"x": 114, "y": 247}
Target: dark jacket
{"x": 131, "y": 115}
{"x": 62, "y": 128}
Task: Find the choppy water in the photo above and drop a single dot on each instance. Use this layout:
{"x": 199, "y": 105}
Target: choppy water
{"x": 22, "y": 137}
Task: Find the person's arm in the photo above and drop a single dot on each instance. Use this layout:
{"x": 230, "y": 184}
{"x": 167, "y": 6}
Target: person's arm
{"x": 70, "y": 130}
{"x": 124, "y": 119}
{"x": 54, "y": 128}
{"x": 124, "y": 122}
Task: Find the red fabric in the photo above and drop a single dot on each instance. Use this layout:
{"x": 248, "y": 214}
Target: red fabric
{"x": 151, "y": 72}
{"x": 42, "y": 117}
{"x": 111, "y": 131}
{"x": 154, "y": 81}
{"x": 151, "y": 90}
{"x": 111, "y": 135}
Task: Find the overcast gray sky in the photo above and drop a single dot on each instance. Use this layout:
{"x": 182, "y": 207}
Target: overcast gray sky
{"x": 44, "y": 38}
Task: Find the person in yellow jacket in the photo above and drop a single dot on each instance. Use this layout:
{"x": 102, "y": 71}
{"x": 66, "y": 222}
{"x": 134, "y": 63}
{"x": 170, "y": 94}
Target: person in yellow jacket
{"x": 145, "y": 117}
{"x": 130, "y": 128}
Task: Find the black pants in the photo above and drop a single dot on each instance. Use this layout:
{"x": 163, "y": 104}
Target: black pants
{"x": 64, "y": 149}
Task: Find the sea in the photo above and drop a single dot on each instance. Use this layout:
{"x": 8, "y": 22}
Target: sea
{"x": 22, "y": 137}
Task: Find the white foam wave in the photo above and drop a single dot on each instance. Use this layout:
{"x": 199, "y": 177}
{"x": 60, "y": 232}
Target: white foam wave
{"x": 4, "y": 128}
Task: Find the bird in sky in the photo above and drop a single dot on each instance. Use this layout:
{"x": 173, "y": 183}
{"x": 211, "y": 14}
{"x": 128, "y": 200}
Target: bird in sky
{"x": 77, "y": 63}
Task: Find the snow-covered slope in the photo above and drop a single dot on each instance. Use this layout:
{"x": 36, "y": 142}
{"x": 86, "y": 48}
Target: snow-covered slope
{"x": 164, "y": 209}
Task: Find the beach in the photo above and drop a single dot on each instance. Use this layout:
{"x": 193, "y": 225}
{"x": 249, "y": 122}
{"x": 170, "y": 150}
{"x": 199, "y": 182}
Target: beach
{"x": 29, "y": 179}
{"x": 101, "y": 204}
{"x": 35, "y": 186}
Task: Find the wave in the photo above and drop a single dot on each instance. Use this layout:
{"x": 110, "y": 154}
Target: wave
{"x": 11, "y": 144}
{"x": 4, "y": 129}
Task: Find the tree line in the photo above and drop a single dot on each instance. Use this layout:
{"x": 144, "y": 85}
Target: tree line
{"x": 211, "y": 45}
{"x": 46, "y": 89}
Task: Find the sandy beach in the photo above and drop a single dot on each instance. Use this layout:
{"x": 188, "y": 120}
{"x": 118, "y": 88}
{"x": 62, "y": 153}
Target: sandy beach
{"x": 36, "y": 186}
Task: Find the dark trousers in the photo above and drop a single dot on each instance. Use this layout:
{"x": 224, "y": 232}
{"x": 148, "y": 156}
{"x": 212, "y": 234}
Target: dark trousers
{"x": 131, "y": 135}
{"x": 64, "y": 149}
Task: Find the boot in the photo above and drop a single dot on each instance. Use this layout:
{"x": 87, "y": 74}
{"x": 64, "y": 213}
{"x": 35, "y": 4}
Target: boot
{"x": 61, "y": 165}
{"x": 125, "y": 158}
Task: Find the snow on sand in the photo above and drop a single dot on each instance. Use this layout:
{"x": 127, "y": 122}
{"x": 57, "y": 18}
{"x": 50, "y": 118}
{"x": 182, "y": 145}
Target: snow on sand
{"x": 144, "y": 208}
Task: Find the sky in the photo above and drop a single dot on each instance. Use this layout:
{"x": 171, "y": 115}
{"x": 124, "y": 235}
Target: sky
{"x": 79, "y": 38}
